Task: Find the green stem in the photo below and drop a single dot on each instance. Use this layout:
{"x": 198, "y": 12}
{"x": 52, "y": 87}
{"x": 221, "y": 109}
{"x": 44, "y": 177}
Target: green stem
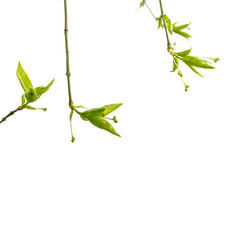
{"x": 12, "y": 112}
{"x": 150, "y": 11}
{"x": 165, "y": 26}
{"x": 179, "y": 74}
{"x": 71, "y": 114}
{"x": 68, "y": 74}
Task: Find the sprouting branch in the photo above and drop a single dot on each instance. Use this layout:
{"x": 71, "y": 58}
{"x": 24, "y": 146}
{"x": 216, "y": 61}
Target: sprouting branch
{"x": 191, "y": 61}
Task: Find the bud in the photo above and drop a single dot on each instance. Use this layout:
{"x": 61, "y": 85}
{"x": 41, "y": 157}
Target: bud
{"x": 115, "y": 119}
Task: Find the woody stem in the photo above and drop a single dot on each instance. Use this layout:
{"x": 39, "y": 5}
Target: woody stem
{"x": 12, "y": 112}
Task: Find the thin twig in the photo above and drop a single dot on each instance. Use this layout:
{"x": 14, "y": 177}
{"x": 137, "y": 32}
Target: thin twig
{"x": 12, "y": 112}
{"x": 150, "y": 11}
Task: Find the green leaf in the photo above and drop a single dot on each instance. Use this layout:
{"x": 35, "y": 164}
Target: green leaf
{"x": 23, "y": 78}
{"x": 175, "y": 64}
{"x": 103, "y": 124}
{"x": 41, "y": 90}
{"x": 194, "y": 70}
{"x": 93, "y": 112}
{"x": 169, "y": 24}
{"x": 196, "y": 62}
{"x": 184, "y": 53}
{"x": 183, "y": 34}
{"x": 110, "y": 108}
{"x": 160, "y": 22}
{"x": 100, "y": 112}
{"x": 178, "y": 28}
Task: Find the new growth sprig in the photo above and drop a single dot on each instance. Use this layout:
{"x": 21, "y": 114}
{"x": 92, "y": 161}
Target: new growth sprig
{"x": 192, "y": 62}
{"x": 96, "y": 116}
{"x": 30, "y": 94}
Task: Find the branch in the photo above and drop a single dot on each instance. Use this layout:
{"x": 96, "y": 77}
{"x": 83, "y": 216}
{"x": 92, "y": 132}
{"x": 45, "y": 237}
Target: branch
{"x": 68, "y": 74}
{"x": 12, "y": 112}
{"x": 165, "y": 27}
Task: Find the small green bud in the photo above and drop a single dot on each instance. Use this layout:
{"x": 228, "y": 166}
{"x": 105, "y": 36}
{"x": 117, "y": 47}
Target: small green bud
{"x": 186, "y": 87}
{"x": 115, "y": 119}
{"x": 180, "y": 73}
{"x": 142, "y": 4}
{"x": 31, "y": 95}
{"x": 171, "y": 50}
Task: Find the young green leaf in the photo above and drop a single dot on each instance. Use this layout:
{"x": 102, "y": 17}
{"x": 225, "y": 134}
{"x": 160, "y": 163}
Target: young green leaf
{"x": 169, "y": 24}
{"x": 93, "y": 112}
{"x": 160, "y": 22}
{"x": 100, "y": 112}
{"x": 184, "y": 53}
{"x": 41, "y": 90}
{"x": 194, "y": 70}
{"x": 183, "y": 34}
{"x": 23, "y": 78}
{"x": 196, "y": 62}
{"x": 110, "y": 108}
{"x": 103, "y": 124}
{"x": 178, "y": 28}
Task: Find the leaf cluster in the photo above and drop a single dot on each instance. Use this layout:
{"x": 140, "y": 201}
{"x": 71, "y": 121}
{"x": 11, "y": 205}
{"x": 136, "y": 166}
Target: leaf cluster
{"x": 172, "y": 28}
{"x": 97, "y": 116}
{"x": 30, "y": 94}
{"x": 192, "y": 62}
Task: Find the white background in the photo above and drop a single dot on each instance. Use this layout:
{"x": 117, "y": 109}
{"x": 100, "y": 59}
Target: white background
{"x": 174, "y": 174}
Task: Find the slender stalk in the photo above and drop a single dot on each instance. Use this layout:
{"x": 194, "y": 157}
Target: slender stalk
{"x": 12, "y": 112}
{"x": 150, "y": 11}
{"x": 68, "y": 74}
{"x": 165, "y": 27}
